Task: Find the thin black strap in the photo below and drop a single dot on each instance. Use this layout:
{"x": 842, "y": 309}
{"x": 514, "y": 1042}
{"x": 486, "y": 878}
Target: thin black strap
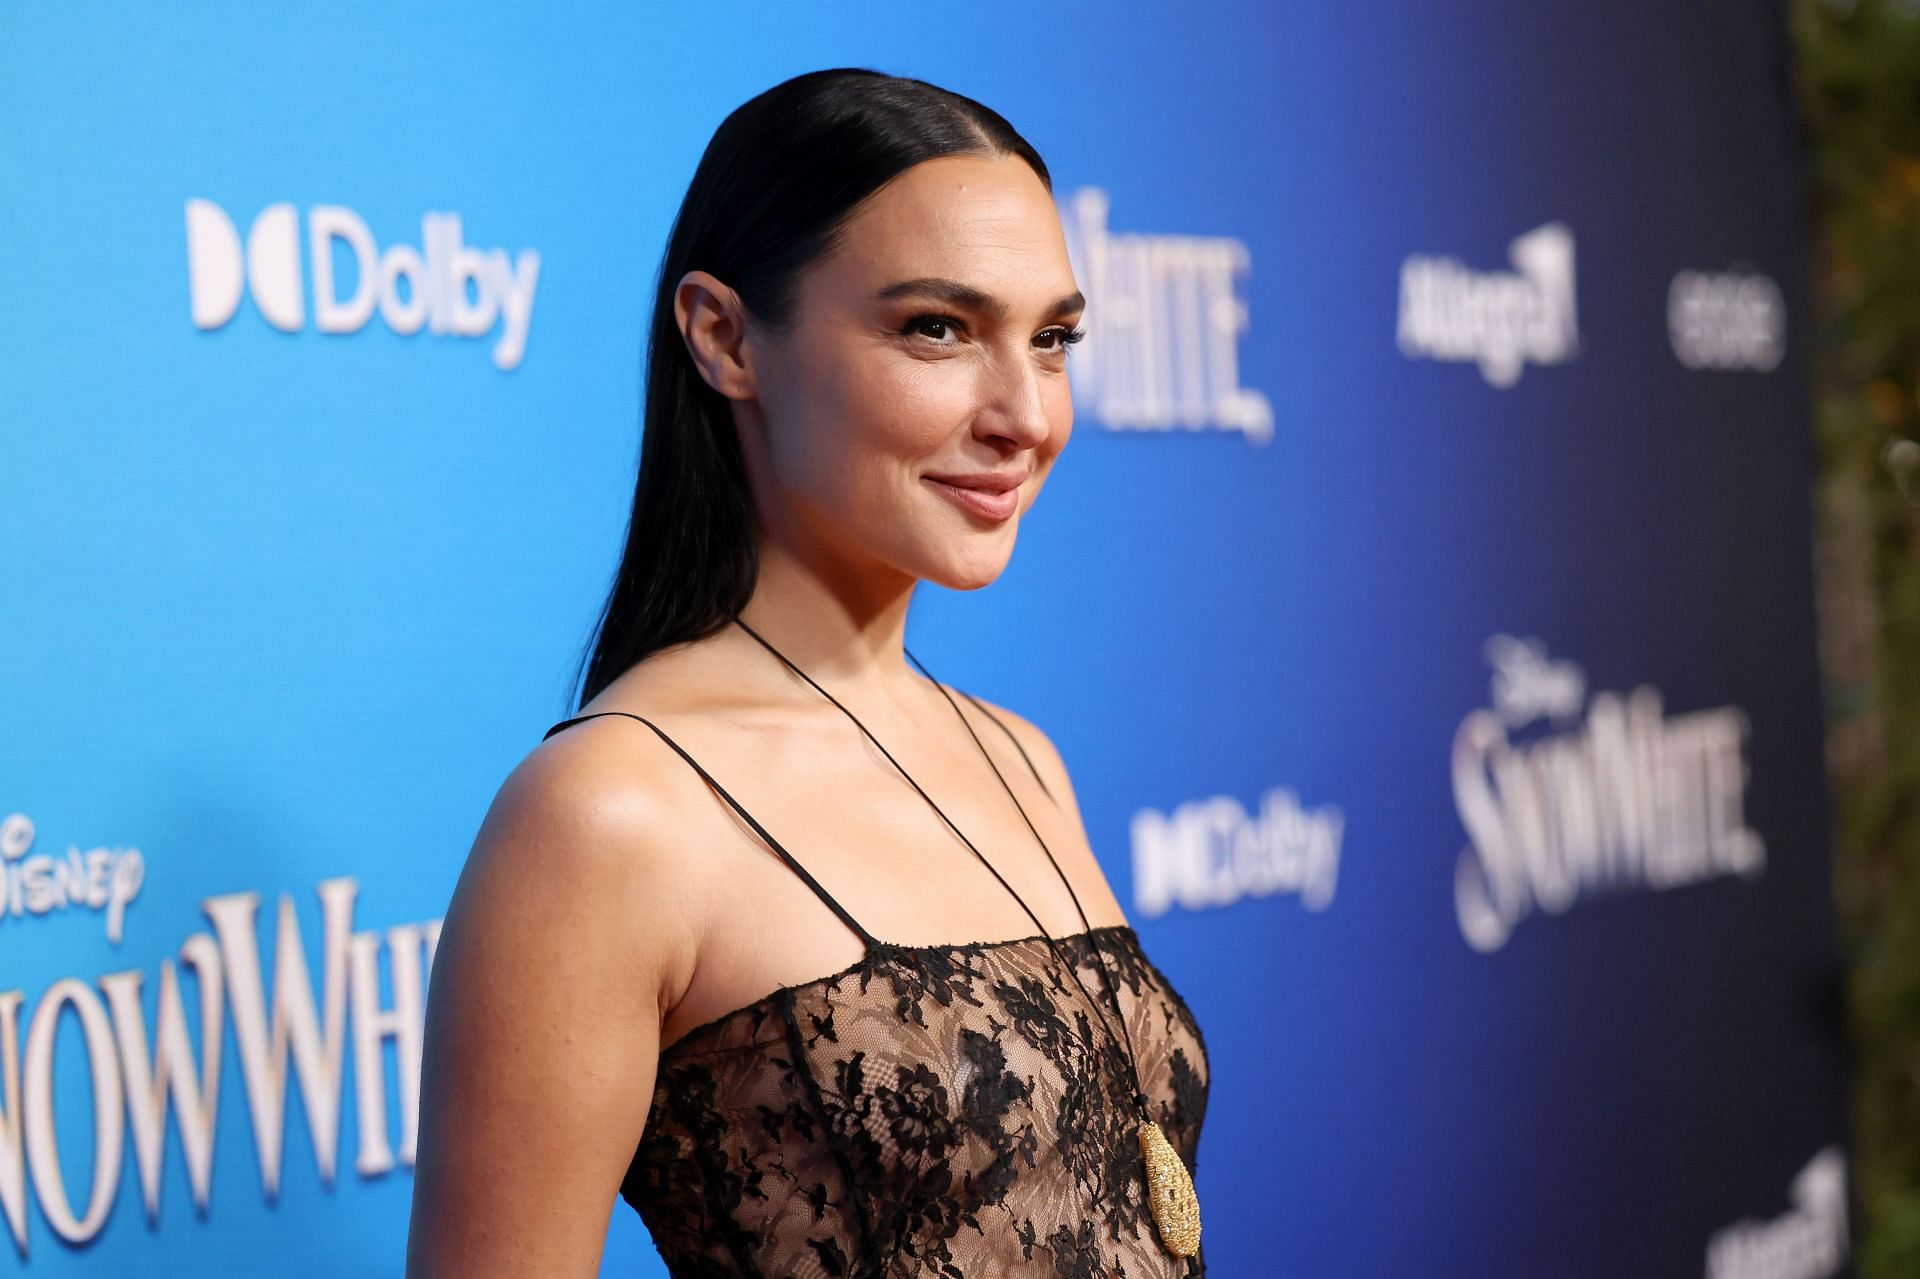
{"x": 868, "y": 938}
{"x": 988, "y": 712}
{"x": 1140, "y": 1098}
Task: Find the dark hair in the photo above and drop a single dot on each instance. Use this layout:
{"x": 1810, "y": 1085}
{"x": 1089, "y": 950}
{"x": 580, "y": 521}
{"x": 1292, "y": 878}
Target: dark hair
{"x": 778, "y": 182}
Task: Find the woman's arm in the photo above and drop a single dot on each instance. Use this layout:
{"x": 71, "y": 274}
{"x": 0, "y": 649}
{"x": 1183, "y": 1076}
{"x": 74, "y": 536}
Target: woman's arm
{"x": 564, "y": 943}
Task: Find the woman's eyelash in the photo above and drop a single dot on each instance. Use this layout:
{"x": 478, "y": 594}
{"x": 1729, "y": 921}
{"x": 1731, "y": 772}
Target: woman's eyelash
{"x": 913, "y": 326}
{"x": 1067, "y": 337}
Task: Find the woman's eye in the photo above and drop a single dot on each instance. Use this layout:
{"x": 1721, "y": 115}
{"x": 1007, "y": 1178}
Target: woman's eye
{"x": 1063, "y": 339}
{"x": 936, "y": 327}
{"x": 946, "y": 330}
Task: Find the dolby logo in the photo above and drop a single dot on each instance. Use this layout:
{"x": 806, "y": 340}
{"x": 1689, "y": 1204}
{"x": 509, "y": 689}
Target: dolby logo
{"x": 443, "y": 286}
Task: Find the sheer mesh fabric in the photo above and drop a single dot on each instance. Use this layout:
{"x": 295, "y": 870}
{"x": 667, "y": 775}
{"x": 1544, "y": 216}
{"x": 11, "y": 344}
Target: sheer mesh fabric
{"x": 958, "y": 1111}
{"x": 950, "y": 1110}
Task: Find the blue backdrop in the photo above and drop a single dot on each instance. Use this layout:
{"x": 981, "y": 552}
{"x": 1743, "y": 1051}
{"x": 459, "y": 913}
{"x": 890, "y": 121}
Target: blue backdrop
{"x": 1429, "y": 580}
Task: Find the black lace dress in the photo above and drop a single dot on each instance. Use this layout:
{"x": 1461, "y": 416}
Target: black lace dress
{"x": 952, "y": 1110}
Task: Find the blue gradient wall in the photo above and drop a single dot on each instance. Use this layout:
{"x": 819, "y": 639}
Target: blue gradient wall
{"x": 282, "y": 606}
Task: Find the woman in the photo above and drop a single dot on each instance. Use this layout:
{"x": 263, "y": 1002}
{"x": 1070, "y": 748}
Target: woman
{"x": 857, "y": 380}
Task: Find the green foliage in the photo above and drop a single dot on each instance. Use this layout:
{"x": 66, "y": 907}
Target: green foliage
{"x": 1858, "y": 78}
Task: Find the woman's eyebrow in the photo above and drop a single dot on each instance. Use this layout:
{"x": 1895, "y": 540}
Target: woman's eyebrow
{"x": 955, "y": 293}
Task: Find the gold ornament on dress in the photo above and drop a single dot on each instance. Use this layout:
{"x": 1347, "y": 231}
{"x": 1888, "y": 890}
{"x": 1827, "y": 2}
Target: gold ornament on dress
{"x": 1176, "y": 1209}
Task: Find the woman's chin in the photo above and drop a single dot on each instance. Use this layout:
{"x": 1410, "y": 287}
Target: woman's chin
{"x": 970, "y": 574}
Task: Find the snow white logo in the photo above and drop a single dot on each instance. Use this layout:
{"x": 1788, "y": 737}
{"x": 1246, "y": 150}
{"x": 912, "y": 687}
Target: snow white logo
{"x": 1627, "y": 798}
{"x": 99, "y": 879}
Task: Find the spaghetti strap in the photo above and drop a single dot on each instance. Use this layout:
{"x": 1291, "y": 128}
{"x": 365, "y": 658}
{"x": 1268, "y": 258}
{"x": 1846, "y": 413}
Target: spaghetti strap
{"x": 988, "y": 712}
{"x": 871, "y": 942}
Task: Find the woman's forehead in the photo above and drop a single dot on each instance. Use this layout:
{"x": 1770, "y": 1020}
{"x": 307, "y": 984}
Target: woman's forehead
{"x": 960, "y": 196}
{"x": 987, "y": 223}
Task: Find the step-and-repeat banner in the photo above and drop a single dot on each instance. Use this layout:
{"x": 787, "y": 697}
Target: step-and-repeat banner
{"x": 1423, "y": 606}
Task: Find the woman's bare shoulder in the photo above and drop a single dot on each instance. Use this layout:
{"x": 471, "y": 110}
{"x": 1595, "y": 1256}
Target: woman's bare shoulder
{"x": 569, "y": 933}
{"x": 603, "y": 806}
{"x": 1036, "y": 747}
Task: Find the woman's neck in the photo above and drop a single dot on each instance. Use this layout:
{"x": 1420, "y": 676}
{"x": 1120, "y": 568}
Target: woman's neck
{"x": 843, "y": 629}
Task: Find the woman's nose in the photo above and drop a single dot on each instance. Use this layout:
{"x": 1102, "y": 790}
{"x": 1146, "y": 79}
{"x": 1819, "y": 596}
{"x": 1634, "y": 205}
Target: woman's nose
{"x": 1019, "y": 401}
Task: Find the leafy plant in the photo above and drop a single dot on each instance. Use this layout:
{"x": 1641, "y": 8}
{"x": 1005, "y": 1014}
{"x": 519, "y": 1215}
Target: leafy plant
{"x": 1858, "y": 79}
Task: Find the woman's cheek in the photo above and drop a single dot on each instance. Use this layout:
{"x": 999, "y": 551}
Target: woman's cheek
{"x": 921, "y": 407}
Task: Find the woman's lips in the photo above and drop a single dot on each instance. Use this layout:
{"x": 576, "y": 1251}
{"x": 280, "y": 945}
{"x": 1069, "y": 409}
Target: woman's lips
{"x": 988, "y": 506}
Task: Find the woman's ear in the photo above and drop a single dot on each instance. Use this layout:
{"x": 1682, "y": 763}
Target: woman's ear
{"x": 712, "y": 322}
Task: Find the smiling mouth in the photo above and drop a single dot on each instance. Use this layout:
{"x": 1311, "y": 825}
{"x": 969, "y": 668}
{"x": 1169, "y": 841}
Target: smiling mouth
{"x": 994, "y": 508}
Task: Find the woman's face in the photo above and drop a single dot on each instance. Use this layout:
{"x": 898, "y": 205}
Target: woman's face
{"x": 932, "y": 342}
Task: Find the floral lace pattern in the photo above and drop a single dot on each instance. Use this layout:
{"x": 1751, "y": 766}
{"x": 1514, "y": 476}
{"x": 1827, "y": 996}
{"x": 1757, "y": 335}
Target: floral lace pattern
{"x": 954, "y": 1111}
